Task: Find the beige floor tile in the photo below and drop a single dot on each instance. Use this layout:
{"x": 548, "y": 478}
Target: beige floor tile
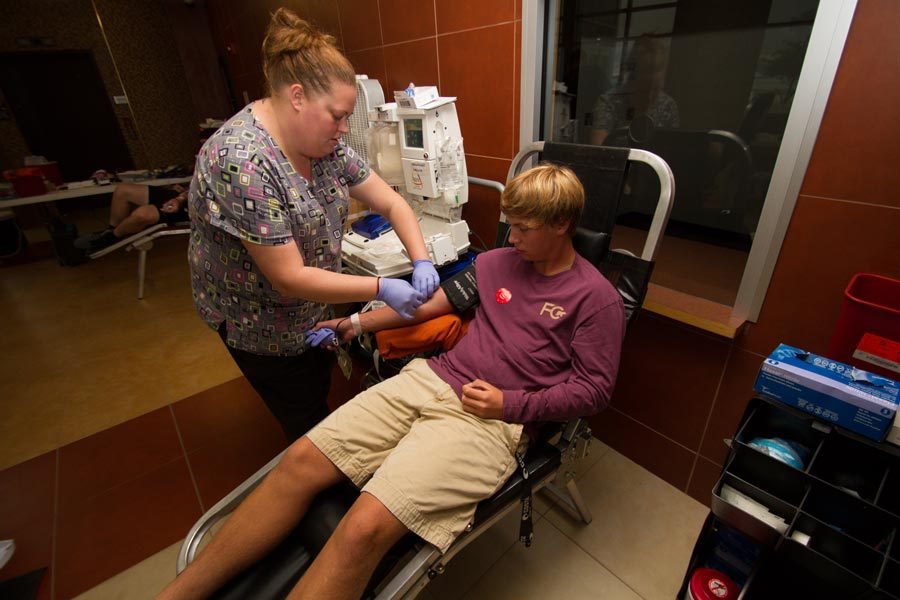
{"x": 579, "y": 467}
{"x": 596, "y": 451}
{"x": 143, "y": 580}
{"x": 477, "y": 558}
{"x": 643, "y": 529}
{"x": 552, "y": 567}
{"x": 90, "y": 355}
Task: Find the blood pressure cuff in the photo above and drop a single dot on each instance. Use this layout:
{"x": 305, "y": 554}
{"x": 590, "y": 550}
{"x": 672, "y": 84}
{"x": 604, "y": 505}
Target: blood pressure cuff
{"x": 462, "y": 290}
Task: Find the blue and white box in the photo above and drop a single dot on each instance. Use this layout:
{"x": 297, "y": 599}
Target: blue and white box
{"x": 831, "y": 391}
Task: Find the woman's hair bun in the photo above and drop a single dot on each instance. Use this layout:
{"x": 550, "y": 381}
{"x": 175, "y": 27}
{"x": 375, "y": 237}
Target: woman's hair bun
{"x": 289, "y": 33}
{"x": 294, "y": 51}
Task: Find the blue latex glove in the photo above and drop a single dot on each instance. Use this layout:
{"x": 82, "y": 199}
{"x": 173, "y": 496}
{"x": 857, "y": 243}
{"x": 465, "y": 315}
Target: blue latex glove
{"x": 400, "y": 296}
{"x": 425, "y": 277}
{"x": 325, "y": 335}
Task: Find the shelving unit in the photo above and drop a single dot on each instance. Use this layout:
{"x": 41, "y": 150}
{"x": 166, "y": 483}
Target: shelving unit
{"x": 846, "y": 499}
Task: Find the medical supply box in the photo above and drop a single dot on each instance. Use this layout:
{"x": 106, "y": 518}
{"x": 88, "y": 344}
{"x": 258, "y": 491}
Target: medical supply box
{"x": 831, "y": 391}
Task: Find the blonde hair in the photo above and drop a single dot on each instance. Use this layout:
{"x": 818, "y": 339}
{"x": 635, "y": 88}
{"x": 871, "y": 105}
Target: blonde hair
{"x": 296, "y": 52}
{"x": 550, "y": 194}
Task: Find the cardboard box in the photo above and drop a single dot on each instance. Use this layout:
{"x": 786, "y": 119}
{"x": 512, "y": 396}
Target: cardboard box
{"x": 831, "y": 391}
{"x": 416, "y": 97}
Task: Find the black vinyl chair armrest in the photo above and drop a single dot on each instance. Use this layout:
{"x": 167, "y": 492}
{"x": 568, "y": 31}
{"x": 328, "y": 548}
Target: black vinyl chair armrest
{"x": 630, "y": 275}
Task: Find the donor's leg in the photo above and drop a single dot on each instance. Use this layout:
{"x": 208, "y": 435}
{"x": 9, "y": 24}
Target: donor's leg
{"x": 260, "y": 522}
{"x": 343, "y": 568}
{"x": 125, "y": 198}
{"x": 140, "y": 219}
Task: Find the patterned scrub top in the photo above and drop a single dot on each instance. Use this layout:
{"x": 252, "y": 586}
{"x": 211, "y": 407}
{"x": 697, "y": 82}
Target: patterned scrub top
{"x": 244, "y": 188}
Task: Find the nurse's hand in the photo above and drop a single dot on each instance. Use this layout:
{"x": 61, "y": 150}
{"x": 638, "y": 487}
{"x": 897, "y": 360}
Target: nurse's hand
{"x": 341, "y": 328}
{"x": 425, "y": 277}
{"x": 324, "y": 337}
{"x": 400, "y": 296}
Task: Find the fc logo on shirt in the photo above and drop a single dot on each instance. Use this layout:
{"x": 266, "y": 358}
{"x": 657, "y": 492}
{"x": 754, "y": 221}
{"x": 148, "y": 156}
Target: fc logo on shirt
{"x": 555, "y": 311}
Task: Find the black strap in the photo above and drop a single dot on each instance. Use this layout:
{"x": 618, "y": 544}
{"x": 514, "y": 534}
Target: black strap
{"x": 602, "y": 171}
{"x": 526, "y": 527}
{"x": 462, "y": 290}
{"x": 630, "y": 275}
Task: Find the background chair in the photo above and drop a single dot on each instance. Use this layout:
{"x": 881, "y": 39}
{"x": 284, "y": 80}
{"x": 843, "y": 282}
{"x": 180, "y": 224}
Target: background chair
{"x": 143, "y": 243}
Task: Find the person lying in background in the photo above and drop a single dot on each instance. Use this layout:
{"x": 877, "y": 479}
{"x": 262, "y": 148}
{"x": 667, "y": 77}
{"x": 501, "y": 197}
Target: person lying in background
{"x": 133, "y": 209}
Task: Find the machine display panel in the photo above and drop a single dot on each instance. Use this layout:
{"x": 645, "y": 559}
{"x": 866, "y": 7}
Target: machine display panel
{"x": 413, "y": 133}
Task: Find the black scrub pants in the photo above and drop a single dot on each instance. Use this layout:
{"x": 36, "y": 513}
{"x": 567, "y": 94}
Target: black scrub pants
{"x": 295, "y": 388}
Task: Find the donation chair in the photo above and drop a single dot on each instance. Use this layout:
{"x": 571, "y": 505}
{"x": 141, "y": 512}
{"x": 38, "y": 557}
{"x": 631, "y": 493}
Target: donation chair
{"x": 143, "y": 242}
{"x": 412, "y": 563}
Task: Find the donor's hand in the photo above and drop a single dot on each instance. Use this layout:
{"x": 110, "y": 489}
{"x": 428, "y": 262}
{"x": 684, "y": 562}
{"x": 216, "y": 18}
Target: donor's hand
{"x": 482, "y": 400}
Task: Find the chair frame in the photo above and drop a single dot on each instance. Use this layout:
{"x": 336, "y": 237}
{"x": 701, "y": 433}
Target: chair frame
{"x": 143, "y": 243}
{"x": 663, "y": 205}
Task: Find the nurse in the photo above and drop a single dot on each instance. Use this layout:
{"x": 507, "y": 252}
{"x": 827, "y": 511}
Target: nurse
{"x": 267, "y": 205}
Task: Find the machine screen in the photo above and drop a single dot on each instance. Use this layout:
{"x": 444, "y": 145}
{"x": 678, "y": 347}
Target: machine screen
{"x": 413, "y": 130}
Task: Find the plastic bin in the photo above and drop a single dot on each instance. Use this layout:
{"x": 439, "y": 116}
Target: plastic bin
{"x": 846, "y": 502}
{"x": 50, "y": 171}
{"x": 871, "y": 305}
{"x": 29, "y": 185}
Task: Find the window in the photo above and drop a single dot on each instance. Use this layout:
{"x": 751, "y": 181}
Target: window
{"x": 729, "y": 94}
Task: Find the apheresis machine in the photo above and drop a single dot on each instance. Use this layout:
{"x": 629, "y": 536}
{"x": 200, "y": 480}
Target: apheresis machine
{"x": 416, "y": 146}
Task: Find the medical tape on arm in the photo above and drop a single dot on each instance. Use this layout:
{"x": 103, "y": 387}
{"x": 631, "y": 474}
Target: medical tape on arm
{"x": 355, "y": 323}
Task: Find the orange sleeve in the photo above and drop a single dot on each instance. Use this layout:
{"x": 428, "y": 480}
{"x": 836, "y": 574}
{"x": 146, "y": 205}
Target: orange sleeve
{"x": 442, "y": 332}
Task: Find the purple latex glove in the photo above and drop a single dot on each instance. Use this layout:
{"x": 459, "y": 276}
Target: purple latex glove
{"x": 324, "y": 336}
{"x": 425, "y": 277}
{"x": 400, "y": 296}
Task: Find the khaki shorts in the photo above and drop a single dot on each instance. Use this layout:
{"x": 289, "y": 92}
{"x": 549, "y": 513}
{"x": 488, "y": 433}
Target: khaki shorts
{"x": 408, "y": 442}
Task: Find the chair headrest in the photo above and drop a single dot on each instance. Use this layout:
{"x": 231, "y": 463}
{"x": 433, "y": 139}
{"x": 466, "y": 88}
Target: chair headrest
{"x": 592, "y": 245}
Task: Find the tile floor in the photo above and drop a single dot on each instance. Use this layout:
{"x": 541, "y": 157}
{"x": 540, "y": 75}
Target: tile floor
{"x": 123, "y": 420}
{"x": 83, "y": 354}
